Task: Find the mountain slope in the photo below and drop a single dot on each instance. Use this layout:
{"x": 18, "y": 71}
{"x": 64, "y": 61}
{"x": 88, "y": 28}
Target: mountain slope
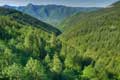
{"x": 97, "y": 35}
{"x": 26, "y": 19}
{"x": 24, "y": 45}
{"x": 51, "y": 14}
{"x": 69, "y": 22}
{"x": 88, "y": 50}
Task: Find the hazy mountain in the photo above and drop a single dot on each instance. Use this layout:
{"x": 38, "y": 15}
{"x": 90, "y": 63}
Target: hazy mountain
{"x": 51, "y": 14}
{"x": 88, "y": 49}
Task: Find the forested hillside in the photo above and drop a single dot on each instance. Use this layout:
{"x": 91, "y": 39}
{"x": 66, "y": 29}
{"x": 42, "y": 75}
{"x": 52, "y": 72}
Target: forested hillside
{"x": 24, "y": 45}
{"x": 97, "y": 35}
{"x": 27, "y": 20}
{"x": 33, "y": 50}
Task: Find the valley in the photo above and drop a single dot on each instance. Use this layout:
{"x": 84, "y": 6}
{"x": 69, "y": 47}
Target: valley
{"x": 84, "y": 46}
{"x": 52, "y": 14}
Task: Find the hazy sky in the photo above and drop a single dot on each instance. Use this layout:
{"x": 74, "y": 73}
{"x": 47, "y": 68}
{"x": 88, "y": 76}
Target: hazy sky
{"x": 78, "y": 3}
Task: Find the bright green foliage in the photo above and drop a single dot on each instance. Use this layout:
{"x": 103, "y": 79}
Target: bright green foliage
{"x": 89, "y": 50}
{"x": 89, "y": 72}
{"x": 47, "y": 59}
{"x": 95, "y": 36}
{"x": 35, "y": 70}
{"x": 56, "y": 65}
{"x": 6, "y": 58}
{"x": 13, "y": 72}
{"x": 19, "y": 41}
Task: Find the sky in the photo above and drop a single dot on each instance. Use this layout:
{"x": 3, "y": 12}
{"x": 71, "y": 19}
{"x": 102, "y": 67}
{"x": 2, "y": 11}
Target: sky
{"x": 73, "y": 3}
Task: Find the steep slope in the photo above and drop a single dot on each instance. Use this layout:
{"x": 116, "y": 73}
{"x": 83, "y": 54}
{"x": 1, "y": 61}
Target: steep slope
{"x": 97, "y": 35}
{"x": 26, "y": 19}
{"x": 23, "y": 46}
{"x": 29, "y": 52}
{"x": 69, "y": 22}
{"x": 89, "y": 50}
{"x": 51, "y": 14}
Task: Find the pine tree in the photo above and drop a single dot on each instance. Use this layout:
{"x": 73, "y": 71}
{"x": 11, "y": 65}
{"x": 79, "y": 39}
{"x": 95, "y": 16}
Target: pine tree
{"x": 56, "y": 65}
{"x": 35, "y": 70}
{"x": 13, "y": 72}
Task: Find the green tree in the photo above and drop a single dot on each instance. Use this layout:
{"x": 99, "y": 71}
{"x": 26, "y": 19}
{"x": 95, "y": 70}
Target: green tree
{"x": 6, "y": 58}
{"x": 13, "y": 72}
{"x": 47, "y": 59}
{"x": 35, "y": 70}
{"x": 56, "y": 65}
{"x": 89, "y": 72}
{"x": 53, "y": 40}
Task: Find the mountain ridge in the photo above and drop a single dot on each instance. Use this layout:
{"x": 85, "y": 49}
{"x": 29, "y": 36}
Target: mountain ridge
{"x": 89, "y": 48}
{"x": 52, "y": 14}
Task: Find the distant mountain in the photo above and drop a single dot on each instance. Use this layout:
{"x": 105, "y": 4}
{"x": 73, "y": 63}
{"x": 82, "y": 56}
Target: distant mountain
{"x": 51, "y": 14}
{"x": 88, "y": 49}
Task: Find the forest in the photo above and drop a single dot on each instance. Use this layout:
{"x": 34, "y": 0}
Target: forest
{"x": 87, "y": 49}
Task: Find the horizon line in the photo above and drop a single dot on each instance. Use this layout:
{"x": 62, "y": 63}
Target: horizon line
{"x": 52, "y": 4}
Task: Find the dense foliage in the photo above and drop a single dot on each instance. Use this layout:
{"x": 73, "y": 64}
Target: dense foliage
{"x": 30, "y": 53}
{"x": 97, "y": 35}
{"x": 27, "y": 20}
{"x": 87, "y": 51}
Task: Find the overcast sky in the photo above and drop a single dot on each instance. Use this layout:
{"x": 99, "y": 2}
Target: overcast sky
{"x": 75, "y": 3}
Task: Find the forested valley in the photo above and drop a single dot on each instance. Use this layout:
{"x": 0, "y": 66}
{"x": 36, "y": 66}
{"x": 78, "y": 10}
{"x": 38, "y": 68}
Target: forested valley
{"x": 88, "y": 49}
